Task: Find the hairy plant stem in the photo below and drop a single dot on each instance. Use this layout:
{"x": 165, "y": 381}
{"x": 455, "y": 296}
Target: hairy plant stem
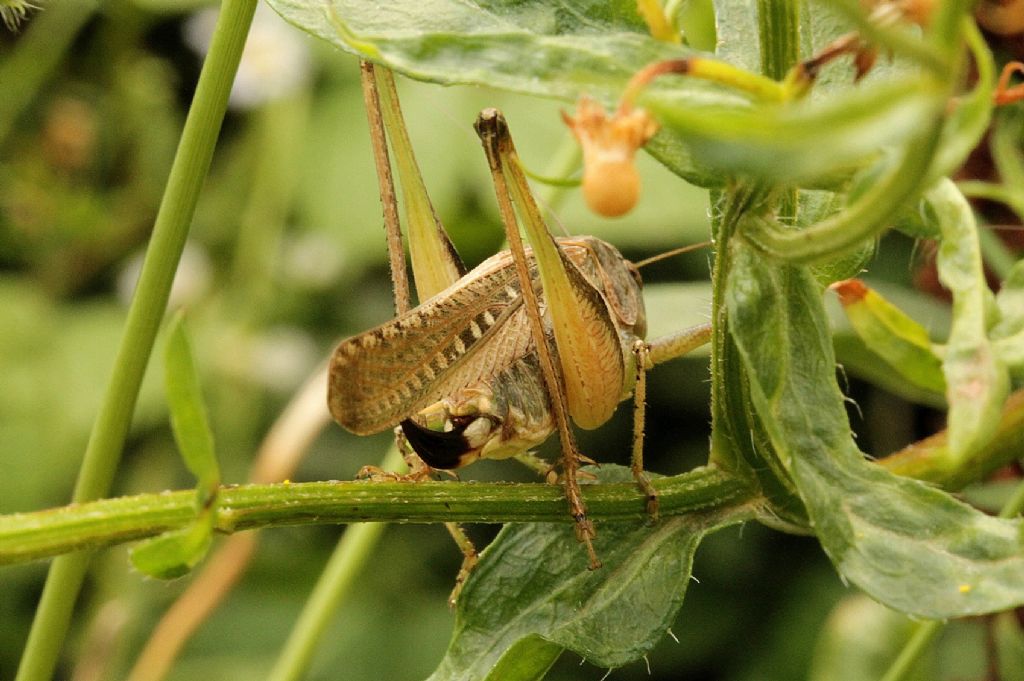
{"x": 170, "y": 229}
{"x": 41, "y": 534}
{"x": 731, "y": 418}
{"x": 779, "y": 26}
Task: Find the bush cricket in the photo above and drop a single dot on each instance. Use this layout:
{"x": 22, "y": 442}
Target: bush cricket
{"x": 511, "y": 351}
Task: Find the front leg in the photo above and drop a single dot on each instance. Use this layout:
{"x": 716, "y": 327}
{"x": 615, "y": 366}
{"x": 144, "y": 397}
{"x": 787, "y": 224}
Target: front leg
{"x": 641, "y": 350}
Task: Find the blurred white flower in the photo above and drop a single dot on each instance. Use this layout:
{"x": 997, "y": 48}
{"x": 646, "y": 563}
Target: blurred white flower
{"x": 278, "y": 358}
{"x": 191, "y": 281}
{"x": 313, "y": 261}
{"x": 275, "y": 63}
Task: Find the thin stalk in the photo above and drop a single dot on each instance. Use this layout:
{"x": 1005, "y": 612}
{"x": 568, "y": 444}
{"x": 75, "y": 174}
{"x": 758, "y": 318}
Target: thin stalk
{"x": 170, "y": 229}
{"x": 565, "y": 161}
{"x": 348, "y": 559}
{"x": 868, "y": 216}
{"x": 996, "y": 253}
{"x": 1014, "y": 506}
{"x": 904, "y": 663}
{"x": 979, "y": 189}
{"x": 107, "y": 522}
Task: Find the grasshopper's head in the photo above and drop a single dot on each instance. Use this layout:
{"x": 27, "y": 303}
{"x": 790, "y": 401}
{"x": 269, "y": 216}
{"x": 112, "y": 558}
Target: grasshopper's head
{"x": 619, "y": 283}
{"x": 640, "y": 325}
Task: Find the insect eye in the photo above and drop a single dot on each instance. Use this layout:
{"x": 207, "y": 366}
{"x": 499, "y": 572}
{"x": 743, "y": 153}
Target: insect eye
{"x": 635, "y": 273}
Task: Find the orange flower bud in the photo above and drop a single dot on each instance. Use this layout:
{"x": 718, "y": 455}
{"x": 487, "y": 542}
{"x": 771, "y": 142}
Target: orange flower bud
{"x": 611, "y": 184}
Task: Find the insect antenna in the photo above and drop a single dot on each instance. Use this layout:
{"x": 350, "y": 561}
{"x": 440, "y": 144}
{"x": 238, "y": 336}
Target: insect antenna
{"x": 668, "y": 254}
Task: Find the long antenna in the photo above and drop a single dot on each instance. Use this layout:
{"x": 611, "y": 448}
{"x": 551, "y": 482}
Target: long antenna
{"x": 668, "y": 254}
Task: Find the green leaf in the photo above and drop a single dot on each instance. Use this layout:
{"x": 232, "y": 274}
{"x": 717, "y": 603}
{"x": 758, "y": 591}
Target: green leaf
{"x": 563, "y": 51}
{"x": 533, "y": 584}
{"x": 906, "y": 544}
{"x": 977, "y": 380}
{"x": 784, "y": 142}
{"x": 530, "y": 46}
{"x": 187, "y": 409}
{"x": 893, "y": 335}
{"x": 174, "y": 554}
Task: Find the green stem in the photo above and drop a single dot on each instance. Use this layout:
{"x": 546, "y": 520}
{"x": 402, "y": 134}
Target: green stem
{"x": 37, "y": 54}
{"x": 979, "y": 189}
{"x": 41, "y": 534}
{"x": 779, "y": 28}
{"x": 779, "y": 25}
{"x": 348, "y": 559}
{"x": 169, "y": 232}
{"x": 904, "y": 663}
{"x": 723, "y": 452}
{"x": 563, "y": 164}
{"x": 866, "y": 218}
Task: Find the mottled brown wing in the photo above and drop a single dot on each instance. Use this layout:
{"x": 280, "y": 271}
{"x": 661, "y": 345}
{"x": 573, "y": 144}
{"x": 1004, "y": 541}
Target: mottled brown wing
{"x": 466, "y": 333}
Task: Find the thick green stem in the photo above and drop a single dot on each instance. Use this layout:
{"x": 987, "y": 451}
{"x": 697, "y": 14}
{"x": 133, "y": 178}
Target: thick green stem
{"x": 169, "y": 231}
{"x": 41, "y": 534}
{"x": 779, "y": 25}
{"x": 867, "y": 217}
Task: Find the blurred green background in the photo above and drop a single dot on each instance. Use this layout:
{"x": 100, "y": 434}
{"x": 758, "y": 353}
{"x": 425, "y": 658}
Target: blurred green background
{"x": 286, "y": 256}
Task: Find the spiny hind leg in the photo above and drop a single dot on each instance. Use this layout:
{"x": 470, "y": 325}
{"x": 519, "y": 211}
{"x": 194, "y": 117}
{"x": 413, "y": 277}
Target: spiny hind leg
{"x": 502, "y": 161}
{"x": 470, "y": 558}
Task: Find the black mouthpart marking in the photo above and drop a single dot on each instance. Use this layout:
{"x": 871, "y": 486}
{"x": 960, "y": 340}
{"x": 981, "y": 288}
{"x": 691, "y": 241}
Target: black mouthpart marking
{"x": 443, "y": 450}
